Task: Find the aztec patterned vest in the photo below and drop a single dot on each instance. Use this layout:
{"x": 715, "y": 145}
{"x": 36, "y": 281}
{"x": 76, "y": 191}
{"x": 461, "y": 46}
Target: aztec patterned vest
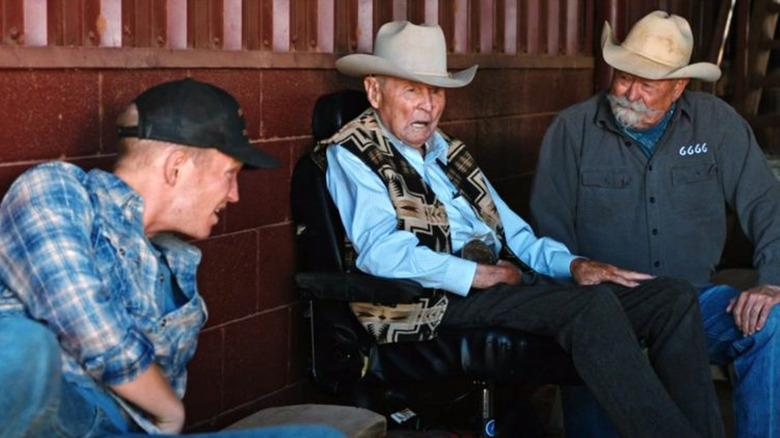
{"x": 419, "y": 212}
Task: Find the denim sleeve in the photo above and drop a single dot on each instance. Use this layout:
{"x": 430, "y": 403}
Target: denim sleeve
{"x": 753, "y": 192}
{"x": 47, "y": 260}
{"x": 370, "y": 223}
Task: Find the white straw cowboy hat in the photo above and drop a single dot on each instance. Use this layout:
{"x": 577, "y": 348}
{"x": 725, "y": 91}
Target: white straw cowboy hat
{"x": 659, "y": 46}
{"x": 408, "y": 51}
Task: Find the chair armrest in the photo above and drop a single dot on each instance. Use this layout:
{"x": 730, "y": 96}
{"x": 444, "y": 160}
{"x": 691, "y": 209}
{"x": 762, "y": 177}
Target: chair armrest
{"x": 341, "y": 286}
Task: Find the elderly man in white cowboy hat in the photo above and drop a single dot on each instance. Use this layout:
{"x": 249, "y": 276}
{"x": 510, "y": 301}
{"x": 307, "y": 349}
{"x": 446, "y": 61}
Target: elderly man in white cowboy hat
{"x": 414, "y": 202}
{"x": 642, "y": 175}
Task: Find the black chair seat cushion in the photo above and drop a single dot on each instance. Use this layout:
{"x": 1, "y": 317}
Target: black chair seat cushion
{"x": 349, "y": 356}
{"x": 498, "y": 355}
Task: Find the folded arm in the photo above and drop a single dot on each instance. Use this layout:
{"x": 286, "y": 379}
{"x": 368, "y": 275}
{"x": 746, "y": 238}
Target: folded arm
{"x": 152, "y": 393}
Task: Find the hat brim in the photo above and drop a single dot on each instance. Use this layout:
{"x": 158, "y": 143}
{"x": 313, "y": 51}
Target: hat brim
{"x": 625, "y": 60}
{"x": 251, "y": 157}
{"x": 361, "y": 65}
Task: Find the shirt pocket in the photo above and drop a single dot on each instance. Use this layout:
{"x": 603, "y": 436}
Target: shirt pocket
{"x": 176, "y": 335}
{"x": 604, "y": 199}
{"x": 695, "y": 193}
{"x": 609, "y": 179}
{"x": 693, "y": 173}
{"x": 119, "y": 266}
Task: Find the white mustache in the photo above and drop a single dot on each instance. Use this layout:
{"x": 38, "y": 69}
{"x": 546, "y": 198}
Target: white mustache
{"x": 628, "y": 113}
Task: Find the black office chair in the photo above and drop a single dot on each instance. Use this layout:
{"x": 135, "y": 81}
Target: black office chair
{"x": 346, "y": 360}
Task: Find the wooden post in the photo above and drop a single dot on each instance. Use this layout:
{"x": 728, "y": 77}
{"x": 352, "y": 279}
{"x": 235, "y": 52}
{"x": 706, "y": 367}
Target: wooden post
{"x": 612, "y": 11}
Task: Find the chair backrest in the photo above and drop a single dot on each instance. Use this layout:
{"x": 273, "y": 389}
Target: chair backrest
{"x": 320, "y": 234}
{"x": 339, "y": 342}
{"x": 332, "y": 111}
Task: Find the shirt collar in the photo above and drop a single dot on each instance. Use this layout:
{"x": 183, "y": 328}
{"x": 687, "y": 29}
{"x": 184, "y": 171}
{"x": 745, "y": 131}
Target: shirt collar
{"x": 112, "y": 191}
{"x": 435, "y": 148}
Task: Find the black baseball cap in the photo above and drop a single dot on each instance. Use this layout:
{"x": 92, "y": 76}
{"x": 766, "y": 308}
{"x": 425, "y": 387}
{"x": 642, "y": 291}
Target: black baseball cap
{"x": 196, "y": 114}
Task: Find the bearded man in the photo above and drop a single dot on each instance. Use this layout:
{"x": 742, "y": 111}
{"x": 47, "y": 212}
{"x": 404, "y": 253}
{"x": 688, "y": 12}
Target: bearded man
{"x": 642, "y": 176}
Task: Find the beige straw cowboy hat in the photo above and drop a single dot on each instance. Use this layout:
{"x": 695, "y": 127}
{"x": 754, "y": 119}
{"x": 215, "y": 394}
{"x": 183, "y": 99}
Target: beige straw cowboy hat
{"x": 659, "y": 46}
{"x": 408, "y": 51}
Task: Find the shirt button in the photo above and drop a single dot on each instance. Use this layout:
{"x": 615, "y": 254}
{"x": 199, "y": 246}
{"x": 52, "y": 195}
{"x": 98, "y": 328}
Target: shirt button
{"x": 161, "y": 277}
{"x": 650, "y": 168}
{"x": 164, "y": 322}
{"x": 627, "y": 143}
{"x": 657, "y": 263}
{"x": 655, "y": 231}
{"x": 122, "y": 252}
{"x": 652, "y": 199}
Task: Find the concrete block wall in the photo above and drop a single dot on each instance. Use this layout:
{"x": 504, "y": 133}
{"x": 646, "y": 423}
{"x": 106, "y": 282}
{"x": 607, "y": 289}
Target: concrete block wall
{"x": 253, "y": 352}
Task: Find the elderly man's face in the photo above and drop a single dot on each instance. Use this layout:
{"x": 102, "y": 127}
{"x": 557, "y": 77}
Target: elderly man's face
{"x": 410, "y": 110}
{"x": 641, "y": 103}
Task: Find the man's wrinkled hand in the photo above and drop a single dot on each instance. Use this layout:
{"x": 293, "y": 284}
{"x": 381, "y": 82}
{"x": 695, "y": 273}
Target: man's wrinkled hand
{"x": 751, "y": 308}
{"x": 589, "y": 272}
{"x": 490, "y": 275}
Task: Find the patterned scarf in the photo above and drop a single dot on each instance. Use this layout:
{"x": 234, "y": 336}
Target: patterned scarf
{"x": 419, "y": 212}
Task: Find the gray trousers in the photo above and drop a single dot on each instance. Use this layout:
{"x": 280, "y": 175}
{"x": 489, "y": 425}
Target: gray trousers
{"x": 671, "y": 395}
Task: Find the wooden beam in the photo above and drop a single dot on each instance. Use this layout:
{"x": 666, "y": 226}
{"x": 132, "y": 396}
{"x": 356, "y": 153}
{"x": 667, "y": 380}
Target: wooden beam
{"x": 364, "y": 33}
{"x": 460, "y": 33}
{"x": 281, "y": 26}
{"x": 232, "y": 30}
{"x": 486, "y": 26}
{"x": 765, "y": 121}
{"x": 770, "y": 45}
{"x": 740, "y": 58}
{"x": 553, "y": 27}
{"x": 765, "y": 81}
{"x": 721, "y": 32}
{"x": 399, "y": 10}
{"x": 573, "y": 21}
{"x": 532, "y": 21}
{"x": 14, "y": 57}
{"x": 762, "y": 28}
{"x": 326, "y": 22}
{"x": 431, "y": 11}
{"x": 510, "y": 27}
{"x": 35, "y": 29}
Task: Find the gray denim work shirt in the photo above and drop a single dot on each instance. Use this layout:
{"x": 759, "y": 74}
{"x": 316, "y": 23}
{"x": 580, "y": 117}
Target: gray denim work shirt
{"x": 598, "y": 193}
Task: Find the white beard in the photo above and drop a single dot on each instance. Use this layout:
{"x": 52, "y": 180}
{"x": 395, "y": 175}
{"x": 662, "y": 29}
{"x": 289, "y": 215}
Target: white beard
{"x": 631, "y": 114}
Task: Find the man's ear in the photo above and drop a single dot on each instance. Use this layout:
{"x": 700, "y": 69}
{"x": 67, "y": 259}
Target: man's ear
{"x": 173, "y": 166}
{"x": 373, "y": 92}
{"x": 679, "y": 87}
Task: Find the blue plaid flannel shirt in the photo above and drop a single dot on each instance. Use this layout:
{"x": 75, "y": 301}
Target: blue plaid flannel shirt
{"x": 73, "y": 254}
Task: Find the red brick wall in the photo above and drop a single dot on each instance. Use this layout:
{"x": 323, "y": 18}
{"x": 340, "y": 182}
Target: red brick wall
{"x": 253, "y": 351}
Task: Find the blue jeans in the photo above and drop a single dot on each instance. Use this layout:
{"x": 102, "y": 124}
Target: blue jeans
{"x": 37, "y": 402}
{"x": 756, "y": 361}
{"x": 266, "y": 432}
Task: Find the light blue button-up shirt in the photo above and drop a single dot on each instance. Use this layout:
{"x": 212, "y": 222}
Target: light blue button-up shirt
{"x": 370, "y": 223}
